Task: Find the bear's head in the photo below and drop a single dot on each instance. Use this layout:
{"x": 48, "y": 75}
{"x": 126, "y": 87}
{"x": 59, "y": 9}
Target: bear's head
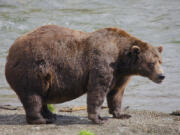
{"x": 142, "y": 59}
{"x": 146, "y": 60}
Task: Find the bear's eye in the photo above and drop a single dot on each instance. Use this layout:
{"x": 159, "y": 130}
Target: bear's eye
{"x": 151, "y": 65}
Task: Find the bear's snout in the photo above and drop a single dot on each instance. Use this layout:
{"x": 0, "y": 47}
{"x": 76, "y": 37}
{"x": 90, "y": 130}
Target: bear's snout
{"x": 160, "y": 78}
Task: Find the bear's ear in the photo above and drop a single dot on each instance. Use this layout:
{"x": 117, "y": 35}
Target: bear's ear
{"x": 135, "y": 49}
{"x": 160, "y": 49}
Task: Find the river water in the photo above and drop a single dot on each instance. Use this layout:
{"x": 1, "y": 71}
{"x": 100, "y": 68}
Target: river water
{"x": 154, "y": 21}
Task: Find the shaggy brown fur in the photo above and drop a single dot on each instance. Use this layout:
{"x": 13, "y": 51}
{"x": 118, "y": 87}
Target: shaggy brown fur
{"x": 53, "y": 64}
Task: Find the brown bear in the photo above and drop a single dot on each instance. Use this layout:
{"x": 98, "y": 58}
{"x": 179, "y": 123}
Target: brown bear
{"x": 54, "y": 64}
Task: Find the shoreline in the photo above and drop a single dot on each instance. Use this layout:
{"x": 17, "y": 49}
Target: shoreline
{"x": 12, "y": 121}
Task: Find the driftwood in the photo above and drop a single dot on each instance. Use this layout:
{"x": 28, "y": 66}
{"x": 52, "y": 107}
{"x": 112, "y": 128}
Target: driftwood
{"x": 78, "y": 108}
{"x": 8, "y": 107}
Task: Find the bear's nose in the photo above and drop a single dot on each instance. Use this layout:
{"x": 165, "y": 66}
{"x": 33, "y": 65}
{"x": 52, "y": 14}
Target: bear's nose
{"x": 161, "y": 77}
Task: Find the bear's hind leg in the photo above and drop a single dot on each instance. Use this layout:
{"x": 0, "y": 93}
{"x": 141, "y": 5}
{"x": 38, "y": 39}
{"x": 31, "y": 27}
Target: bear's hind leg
{"x": 33, "y": 106}
{"x": 47, "y": 114}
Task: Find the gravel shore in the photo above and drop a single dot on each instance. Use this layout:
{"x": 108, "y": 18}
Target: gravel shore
{"x": 12, "y": 122}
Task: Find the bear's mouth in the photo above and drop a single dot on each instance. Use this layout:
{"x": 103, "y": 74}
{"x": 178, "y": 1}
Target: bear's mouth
{"x": 159, "y": 81}
{"x": 156, "y": 80}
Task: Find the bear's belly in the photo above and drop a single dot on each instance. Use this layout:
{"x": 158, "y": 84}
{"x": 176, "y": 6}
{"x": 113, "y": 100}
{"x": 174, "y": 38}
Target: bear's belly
{"x": 64, "y": 95}
{"x": 61, "y": 98}
{"x": 67, "y": 88}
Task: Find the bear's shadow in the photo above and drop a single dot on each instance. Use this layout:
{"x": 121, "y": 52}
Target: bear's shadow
{"x": 20, "y": 119}
{"x": 70, "y": 120}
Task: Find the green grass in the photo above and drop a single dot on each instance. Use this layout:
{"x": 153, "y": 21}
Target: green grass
{"x": 51, "y": 107}
{"x": 84, "y": 132}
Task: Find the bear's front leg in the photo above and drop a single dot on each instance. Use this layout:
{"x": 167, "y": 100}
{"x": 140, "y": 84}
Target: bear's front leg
{"x": 98, "y": 86}
{"x": 95, "y": 100}
{"x": 114, "y": 99}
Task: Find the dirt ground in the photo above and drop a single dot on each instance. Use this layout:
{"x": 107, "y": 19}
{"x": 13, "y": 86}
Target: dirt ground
{"x": 12, "y": 122}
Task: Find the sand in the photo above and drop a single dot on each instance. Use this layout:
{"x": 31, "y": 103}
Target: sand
{"x": 12, "y": 122}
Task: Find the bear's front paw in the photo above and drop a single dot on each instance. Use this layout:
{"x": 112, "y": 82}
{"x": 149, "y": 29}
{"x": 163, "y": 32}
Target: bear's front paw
{"x": 97, "y": 119}
{"x": 121, "y": 116}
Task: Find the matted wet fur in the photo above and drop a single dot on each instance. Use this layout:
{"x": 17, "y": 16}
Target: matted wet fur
{"x": 53, "y": 64}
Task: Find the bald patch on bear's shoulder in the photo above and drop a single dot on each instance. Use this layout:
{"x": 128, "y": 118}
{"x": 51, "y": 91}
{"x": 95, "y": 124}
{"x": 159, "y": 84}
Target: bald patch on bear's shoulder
{"x": 118, "y": 31}
{"x": 133, "y": 40}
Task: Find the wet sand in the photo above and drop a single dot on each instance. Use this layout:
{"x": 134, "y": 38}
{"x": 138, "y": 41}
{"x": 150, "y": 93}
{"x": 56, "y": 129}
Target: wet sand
{"x": 12, "y": 122}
